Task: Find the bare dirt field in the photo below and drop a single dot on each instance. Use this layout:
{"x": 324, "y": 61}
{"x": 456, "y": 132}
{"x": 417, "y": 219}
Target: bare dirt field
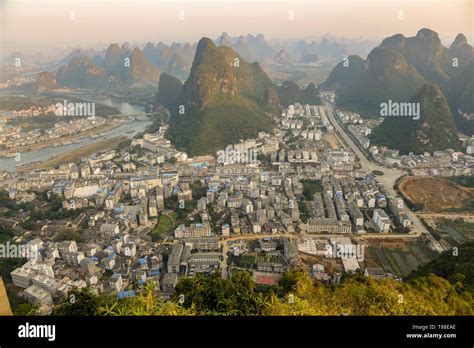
{"x": 4, "y": 302}
{"x": 332, "y": 141}
{"x": 435, "y": 194}
{"x": 330, "y": 264}
{"x": 389, "y": 243}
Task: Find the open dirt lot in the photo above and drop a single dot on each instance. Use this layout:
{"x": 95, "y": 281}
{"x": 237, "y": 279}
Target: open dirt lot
{"x": 4, "y": 302}
{"x": 435, "y": 194}
{"x": 330, "y": 264}
{"x": 332, "y": 141}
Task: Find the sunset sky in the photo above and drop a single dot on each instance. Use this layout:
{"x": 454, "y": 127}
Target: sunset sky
{"x": 55, "y": 23}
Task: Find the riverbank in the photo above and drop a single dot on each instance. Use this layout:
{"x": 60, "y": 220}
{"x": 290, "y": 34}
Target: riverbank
{"x": 110, "y": 124}
{"x": 74, "y": 155}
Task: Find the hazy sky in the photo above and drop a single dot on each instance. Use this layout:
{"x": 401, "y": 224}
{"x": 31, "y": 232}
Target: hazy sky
{"x": 56, "y": 23}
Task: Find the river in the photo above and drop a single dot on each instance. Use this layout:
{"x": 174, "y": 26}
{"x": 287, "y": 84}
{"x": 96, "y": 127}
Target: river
{"x": 138, "y": 125}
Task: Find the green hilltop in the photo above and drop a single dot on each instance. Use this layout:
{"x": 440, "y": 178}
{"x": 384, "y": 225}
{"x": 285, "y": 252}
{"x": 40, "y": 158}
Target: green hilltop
{"x": 397, "y": 69}
{"x": 435, "y": 130}
{"x": 225, "y": 99}
{"x": 460, "y": 94}
{"x": 221, "y": 102}
{"x": 344, "y": 73}
{"x": 289, "y": 93}
{"x": 386, "y": 75}
{"x": 121, "y": 66}
{"x": 169, "y": 88}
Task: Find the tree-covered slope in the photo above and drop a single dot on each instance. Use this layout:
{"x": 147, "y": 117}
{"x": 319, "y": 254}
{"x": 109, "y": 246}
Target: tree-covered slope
{"x": 453, "y": 265}
{"x": 296, "y": 294}
{"x": 290, "y": 93}
{"x": 220, "y": 103}
{"x": 344, "y": 74}
{"x": 398, "y": 67}
{"x": 434, "y": 130}
{"x": 169, "y": 89}
{"x": 223, "y": 122}
{"x": 386, "y": 76}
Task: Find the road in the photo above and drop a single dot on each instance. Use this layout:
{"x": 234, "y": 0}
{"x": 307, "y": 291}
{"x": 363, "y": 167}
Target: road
{"x": 223, "y": 266}
{"x": 225, "y": 246}
{"x": 258, "y": 236}
{"x": 450, "y": 216}
{"x": 390, "y": 175}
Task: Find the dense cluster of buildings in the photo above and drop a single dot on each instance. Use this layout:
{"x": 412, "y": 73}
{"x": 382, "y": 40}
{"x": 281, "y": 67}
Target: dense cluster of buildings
{"x": 306, "y": 184}
{"x": 444, "y": 163}
{"x": 12, "y": 137}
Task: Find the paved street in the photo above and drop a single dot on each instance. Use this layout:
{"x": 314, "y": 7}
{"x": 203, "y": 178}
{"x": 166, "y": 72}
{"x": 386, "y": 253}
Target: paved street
{"x": 390, "y": 174}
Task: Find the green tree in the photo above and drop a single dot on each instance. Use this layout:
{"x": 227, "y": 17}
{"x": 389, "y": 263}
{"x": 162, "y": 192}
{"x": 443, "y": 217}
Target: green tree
{"x": 147, "y": 302}
{"x": 25, "y": 309}
{"x": 80, "y": 303}
{"x": 214, "y": 295}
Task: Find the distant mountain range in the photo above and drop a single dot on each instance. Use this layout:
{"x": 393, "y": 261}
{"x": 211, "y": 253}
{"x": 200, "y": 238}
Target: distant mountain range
{"x": 249, "y": 47}
{"x": 307, "y": 57}
{"x": 78, "y": 53}
{"x": 82, "y": 73}
{"x": 289, "y": 93}
{"x": 256, "y": 48}
{"x": 282, "y": 57}
{"x": 175, "y": 59}
{"x": 120, "y": 65}
{"x": 45, "y": 82}
{"x": 124, "y": 65}
{"x": 398, "y": 68}
{"x": 102, "y": 68}
{"x": 225, "y": 99}
{"x": 285, "y": 58}
{"x": 230, "y": 98}
{"x": 129, "y": 65}
{"x": 324, "y": 48}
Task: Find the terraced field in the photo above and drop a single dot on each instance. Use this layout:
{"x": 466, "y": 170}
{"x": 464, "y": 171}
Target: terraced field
{"x": 382, "y": 259}
{"x": 416, "y": 250}
{"x": 455, "y": 231}
{"x": 400, "y": 260}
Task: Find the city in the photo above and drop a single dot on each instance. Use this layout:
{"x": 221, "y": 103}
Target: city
{"x": 130, "y": 209}
{"x": 270, "y": 172}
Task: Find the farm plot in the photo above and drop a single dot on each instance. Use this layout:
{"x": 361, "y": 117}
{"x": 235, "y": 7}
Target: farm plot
{"x": 400, "y": 259}
{"x": 396, "y": 256}
{"x": 419, "y": 253}
{"x": 453, "y": 234}
{"x": 412, "y": 262}
{"x": 383, "y": 260}
{"x": 457, "y": 231}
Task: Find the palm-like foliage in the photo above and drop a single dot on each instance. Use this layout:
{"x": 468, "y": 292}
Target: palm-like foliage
{"x": 147, "y": 302}
{"x": 297, "y": 294}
